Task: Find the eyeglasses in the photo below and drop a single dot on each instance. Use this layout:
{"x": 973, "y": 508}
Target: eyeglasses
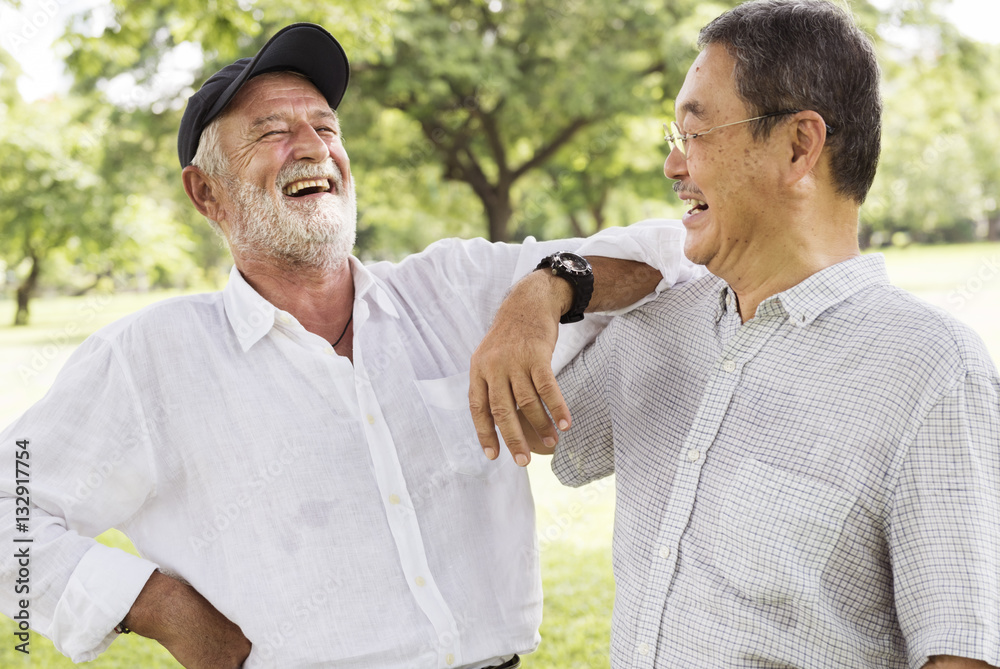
{"x": 677, "y": 139}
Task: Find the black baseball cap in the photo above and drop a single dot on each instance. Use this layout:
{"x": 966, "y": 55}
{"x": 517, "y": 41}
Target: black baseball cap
{"x": 305, "y": 48}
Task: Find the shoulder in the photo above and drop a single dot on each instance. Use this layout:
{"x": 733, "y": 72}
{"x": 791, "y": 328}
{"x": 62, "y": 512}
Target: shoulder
{"x": 678, "y": 307}
{"x": 166, "y": 323}
{"x": 451, "y": 256}
{"x": 919, "y": 334}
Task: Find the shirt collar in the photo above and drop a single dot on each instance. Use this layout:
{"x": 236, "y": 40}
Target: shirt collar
{"x": 252, "y": 317}
{"x": 804, "y": 302}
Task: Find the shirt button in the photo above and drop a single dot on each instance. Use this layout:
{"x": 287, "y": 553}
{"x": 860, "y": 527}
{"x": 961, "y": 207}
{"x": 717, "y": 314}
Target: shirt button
{"x": 694, "y": 454}
{"x": 283, "y": 318}
{"x": 729, "y": 366}
{"x": 643, "y": 649}
{"x": 449, "y": 659}
{"x": 371, "y": 419}
{"x": 393, "y": 499}
{"x": 664, "y": 552}
{"x": 419, "y": 580}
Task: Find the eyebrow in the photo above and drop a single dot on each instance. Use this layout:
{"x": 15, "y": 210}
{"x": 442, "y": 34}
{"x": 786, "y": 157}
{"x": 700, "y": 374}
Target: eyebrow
{"x": 322, "y": 114}
{"x": 694, "y": 108}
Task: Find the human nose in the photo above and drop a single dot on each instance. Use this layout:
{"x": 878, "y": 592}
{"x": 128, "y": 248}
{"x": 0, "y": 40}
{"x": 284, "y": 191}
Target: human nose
{"x": 675, "y": 166}
{"x": 309, "y": 145}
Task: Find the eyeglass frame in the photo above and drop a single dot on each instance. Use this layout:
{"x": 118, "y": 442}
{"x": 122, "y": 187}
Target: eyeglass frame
{"x": 675, "y": 138}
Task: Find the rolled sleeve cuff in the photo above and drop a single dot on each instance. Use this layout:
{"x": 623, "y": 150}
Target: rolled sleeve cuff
{"x": 973, "y": 644}
{"x": 100, "y": 592}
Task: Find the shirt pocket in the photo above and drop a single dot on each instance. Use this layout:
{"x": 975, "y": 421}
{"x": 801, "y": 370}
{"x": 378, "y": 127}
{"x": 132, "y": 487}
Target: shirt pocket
{"x": 777, "y": 530}
{"x": 447, "y": 402}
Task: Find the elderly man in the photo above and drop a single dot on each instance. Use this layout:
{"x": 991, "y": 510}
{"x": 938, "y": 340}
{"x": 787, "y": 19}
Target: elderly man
{"x": 807, "y": 459}
{"x": 293, "y": 457}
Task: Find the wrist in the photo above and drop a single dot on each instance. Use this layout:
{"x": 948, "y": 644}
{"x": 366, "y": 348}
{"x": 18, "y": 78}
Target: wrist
{"x": 577, "y": 274}
{"x": 550, "y": 294}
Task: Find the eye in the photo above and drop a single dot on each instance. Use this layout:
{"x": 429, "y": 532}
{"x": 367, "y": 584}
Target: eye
{"x": 326, "y": 129}
{"x": 273, "y": 132}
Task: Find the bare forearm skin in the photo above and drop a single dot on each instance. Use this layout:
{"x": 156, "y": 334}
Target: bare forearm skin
{"x": 186, "y": 624}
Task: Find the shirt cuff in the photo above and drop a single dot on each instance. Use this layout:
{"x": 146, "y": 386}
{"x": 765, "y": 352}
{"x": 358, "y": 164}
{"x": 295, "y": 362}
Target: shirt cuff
{"x": 100, "y": 592}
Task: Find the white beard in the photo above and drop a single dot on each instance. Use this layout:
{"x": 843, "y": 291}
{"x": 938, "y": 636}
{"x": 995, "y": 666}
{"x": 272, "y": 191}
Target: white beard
{"x": 317, "y": 233}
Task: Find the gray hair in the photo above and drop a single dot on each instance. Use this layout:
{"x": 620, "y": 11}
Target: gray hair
{"x": 211, "y": 159}
{"x": 808, "y": 54}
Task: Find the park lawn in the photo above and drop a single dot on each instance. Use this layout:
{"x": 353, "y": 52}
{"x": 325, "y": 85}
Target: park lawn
{"x": 574, "y": 525}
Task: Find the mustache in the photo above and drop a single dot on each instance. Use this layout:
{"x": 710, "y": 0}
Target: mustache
{"x": 687, "y": 187}
{"x": 304, "y": 170}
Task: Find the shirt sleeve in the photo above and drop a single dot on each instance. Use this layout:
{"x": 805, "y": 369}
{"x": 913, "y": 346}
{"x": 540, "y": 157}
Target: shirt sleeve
{"x": 88, "y": 468}
{"x": 944, "y": 528}
{"x": 478, "y": 274}
{"x": 657, "y": 242}
{"x": 586, "y": 452}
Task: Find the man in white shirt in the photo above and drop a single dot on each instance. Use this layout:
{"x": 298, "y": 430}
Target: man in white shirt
{"x": 294, "y": 457}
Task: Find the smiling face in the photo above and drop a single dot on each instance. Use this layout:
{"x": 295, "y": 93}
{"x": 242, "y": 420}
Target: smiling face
{"x": 728, "y": 180}
{"x": 288, "y": 193}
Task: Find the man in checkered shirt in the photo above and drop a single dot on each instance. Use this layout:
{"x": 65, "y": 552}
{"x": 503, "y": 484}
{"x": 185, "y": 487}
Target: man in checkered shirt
{"x": 806, "y": 458}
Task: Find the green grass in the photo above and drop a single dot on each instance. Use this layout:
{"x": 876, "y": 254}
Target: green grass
{"x": 574, "y": 525}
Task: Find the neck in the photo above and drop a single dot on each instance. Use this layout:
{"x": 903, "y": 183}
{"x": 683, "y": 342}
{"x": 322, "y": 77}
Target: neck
{"x": 321, "y": 299}
{"x": 799, "y": 247}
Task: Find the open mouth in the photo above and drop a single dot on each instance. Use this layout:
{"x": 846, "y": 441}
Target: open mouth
{"x": 305, "y": 187}
{"x": 697, "y": 206}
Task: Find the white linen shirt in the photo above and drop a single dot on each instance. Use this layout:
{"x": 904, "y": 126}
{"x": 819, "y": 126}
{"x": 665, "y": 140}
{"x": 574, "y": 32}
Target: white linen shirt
{"x": 342, "y": 515}
{"x": 816, "y": 487}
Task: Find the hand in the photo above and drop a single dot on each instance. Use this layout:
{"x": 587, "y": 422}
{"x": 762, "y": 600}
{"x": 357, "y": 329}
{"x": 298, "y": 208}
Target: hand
{"x": 187, "y": 625}
{"x": 511, "y": 381}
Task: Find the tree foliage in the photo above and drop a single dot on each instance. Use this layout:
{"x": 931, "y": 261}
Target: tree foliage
{"x": 499, "y": 117}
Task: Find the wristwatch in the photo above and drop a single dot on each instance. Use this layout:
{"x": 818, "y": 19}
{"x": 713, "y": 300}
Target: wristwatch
{"x": 580, "y": 275}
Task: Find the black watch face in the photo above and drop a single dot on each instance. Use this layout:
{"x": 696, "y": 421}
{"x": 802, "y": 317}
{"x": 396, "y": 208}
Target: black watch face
{"x": 573, "y": 263}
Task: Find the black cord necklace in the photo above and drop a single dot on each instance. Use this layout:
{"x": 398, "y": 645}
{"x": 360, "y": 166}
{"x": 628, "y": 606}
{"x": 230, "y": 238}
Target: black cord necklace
{"x": 345, "y": 330}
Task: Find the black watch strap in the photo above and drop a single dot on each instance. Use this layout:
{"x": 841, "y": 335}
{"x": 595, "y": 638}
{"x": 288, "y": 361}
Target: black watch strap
{"x": 580, "y": 275}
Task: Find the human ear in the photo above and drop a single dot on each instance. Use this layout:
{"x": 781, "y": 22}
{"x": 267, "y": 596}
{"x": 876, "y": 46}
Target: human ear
{"x": 201, "y": 190}
{"x": 808, "y": 137}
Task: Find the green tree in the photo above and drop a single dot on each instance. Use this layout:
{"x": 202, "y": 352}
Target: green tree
{"x": 49, "y": 192}
{"x": 492, "y": 91}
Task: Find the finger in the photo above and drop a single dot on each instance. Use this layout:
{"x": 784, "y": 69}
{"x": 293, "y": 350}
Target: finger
{"x": 535, "y": 444}
{"x": 548, "y": 390}
{"x": 504, "y": 412}
{"x": 479, "y": 407}
{"x": 534, "y": 412}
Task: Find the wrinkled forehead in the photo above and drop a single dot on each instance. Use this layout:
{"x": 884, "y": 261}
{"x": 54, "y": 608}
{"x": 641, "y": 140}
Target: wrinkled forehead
{"x": 274, "y": 89}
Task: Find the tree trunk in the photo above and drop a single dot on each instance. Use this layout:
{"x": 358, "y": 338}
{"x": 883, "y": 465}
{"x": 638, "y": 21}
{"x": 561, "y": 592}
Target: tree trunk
{"x": 26, "y": 291}
{"x": 498, "y": 213}
{"x": 993, "y": 229}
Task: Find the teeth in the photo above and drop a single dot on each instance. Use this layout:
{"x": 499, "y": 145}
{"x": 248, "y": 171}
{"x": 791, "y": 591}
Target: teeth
{"x": 292, "y": 189}
{"x": 696, "y": 203}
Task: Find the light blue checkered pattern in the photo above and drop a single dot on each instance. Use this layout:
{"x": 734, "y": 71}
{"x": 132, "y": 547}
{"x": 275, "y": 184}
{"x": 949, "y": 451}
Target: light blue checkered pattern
{"x": 816, "y": 488}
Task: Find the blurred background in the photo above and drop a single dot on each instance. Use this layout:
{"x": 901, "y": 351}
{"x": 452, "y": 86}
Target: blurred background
{"x": 493, "y": 118}
{"x": 500, "y": 118}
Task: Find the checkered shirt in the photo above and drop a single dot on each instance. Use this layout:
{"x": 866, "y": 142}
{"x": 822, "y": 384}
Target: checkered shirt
{"x": 817, "y": 487}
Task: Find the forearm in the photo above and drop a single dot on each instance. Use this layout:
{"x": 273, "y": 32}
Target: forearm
{"x": 620, "y": 283}
{"x": 186, "y": 624}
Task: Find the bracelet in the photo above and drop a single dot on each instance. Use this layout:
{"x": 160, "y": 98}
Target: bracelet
{"x": 121, "y": 629}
